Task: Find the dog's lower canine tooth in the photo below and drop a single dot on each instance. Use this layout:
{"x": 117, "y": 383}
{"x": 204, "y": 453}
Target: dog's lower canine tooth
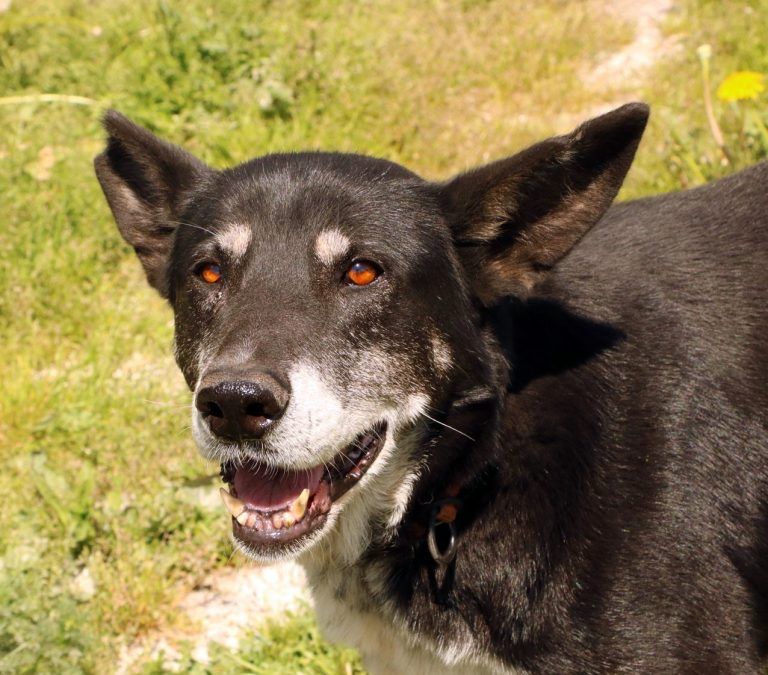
{"x": 299, "y": 507}
{"x": 235, "y": 506}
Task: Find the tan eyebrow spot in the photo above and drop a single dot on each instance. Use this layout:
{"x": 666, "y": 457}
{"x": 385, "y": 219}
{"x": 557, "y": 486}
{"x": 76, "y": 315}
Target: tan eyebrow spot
{"x": 331, "y": 245}
{"x": 235, "y": 239}
{"x": 441, "y": 354}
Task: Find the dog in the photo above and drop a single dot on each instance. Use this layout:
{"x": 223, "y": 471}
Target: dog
{"x": 504, "y": 425}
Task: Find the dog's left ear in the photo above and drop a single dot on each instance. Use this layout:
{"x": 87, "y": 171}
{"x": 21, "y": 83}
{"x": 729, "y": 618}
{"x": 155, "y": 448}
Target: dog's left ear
{"x": 147, "y": 182}
{"x": 512, "y": 220}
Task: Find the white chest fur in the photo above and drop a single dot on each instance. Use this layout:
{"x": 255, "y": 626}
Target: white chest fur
{"x": 386, "y": 648}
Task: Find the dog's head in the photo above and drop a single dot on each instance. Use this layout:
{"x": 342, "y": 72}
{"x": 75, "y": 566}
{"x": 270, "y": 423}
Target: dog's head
{"x": 329, "y": 307}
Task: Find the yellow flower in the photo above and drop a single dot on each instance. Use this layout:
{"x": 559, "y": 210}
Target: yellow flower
{"x": 741, "y": 85}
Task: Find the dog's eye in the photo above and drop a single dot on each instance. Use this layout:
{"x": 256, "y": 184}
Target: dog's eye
{"x": 362, "y": 273}
{"x": 210, "y": 273}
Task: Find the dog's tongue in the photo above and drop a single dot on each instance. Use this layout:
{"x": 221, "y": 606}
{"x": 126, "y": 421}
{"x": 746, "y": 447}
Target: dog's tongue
{"x": 266, "y": 489}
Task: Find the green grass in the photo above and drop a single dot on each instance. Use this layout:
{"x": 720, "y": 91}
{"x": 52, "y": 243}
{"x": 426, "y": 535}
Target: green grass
{"x": 278, "y": 648}
{"x": 678, "y": 150}
{"x": 99, "y": 471}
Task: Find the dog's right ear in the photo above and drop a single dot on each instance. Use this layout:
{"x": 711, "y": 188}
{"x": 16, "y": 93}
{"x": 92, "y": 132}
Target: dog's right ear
{"x": 147, "y": 182}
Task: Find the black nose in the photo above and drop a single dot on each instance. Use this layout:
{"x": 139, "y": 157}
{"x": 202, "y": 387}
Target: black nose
{"x": 242, "y": 410}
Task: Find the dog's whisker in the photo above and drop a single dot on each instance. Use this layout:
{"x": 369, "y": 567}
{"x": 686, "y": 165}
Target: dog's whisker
{"x": 235, "y": 551}
{"x": 167, "y": 404}
{"x": 448, "y": 426}
{"x": 197, "y": 227}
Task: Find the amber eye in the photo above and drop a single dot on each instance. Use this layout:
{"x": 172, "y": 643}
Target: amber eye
{"x": 362, "y": 273}
{"x": 210, "y": 273}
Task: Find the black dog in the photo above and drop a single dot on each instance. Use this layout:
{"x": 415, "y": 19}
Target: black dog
{"x": 505, "y": 426}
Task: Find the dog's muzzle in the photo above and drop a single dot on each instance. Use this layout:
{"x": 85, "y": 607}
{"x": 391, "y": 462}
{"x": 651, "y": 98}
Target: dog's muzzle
{"x": 272, "y": 507}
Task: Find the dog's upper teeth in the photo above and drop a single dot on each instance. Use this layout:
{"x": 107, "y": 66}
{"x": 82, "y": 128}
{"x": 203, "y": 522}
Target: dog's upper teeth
{"x": 235, "y": 506}
{"x": 299, "y": 506}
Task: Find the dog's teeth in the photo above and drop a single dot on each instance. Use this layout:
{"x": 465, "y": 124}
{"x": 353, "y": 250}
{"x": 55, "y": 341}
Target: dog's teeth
{"x": 233, "y": 504}
{"x": 283, "y": 519}
{"x": 299, "y": 507}
{"x": 250, "y": 519}
{"x": 236, "y": 507}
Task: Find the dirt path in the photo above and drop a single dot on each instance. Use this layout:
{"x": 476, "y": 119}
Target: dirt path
{"x": 632, "y": 65}
{"x": 228, "y": 603}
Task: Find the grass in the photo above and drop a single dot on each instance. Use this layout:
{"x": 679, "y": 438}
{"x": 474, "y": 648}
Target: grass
{"x": 278, "y": 648}
{"x": 105, "y": 519}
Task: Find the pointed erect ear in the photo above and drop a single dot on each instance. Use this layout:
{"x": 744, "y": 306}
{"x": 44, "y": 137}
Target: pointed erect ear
{"x": 514, "y": 219}
{"x": 147, "y": 183}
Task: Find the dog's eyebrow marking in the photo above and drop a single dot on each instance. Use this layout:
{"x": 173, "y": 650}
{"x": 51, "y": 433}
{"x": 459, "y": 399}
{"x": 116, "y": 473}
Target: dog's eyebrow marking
{"x": 234, "y": 239}
{"x": 331, "y": 245}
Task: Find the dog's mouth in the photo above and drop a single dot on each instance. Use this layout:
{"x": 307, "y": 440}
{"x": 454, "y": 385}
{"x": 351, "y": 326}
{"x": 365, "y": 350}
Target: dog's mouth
{"x": 273, "y": 507}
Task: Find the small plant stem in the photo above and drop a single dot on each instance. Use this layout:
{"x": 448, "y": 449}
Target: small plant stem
{"x": 714, "y": 127}
{"x": 48, "y": 98}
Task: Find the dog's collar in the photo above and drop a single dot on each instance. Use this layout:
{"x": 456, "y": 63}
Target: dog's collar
{"x": 440, "y": 514}
{"x": 443, "y": 516}
{"x": 433, "y": 534}
{"x": 434, "y": 528}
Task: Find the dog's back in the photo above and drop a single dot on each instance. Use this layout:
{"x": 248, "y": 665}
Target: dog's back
{"x": 674, "y": 528}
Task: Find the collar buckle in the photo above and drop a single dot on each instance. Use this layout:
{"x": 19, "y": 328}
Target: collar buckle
{"x": 442, "y": 547}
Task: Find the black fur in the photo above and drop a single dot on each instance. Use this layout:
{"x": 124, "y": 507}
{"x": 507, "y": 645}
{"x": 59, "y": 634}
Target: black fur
{"x": 610, "y": 365}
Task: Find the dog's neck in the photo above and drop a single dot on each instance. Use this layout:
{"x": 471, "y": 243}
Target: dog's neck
{"x": 457, "y": 449}
{"x": 510, "y": 475}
